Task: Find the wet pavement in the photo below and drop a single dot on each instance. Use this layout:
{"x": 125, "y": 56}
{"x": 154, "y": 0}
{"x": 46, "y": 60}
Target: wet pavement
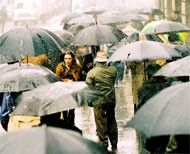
{"x": 128, "y": 142}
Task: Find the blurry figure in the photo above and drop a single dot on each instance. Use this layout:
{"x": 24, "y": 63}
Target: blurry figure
{"x": 41, "y": 60}
{"x": 102, "y": 78}
{"x": 152, "y": 86}
{"x": 149, "y": 88}
{"x": 69, "y": 70}
{"x": 3, "y": 18}
{"x": 74, "y": 29}
{"x": 150, "y": 19}
{"x": 138, "y": 77}
{"x": 138, "y": 25}
{"x": 112, "y": 47}
{"x": 174, "y": 38}
{"x": 6, "y": 107}
{"x": 54, "y": 120}
{"x": 86, "y": 60}
{"x": 178, "y": 144}
{"x": 176, "y": 16}
{"x": 20, "y": 122}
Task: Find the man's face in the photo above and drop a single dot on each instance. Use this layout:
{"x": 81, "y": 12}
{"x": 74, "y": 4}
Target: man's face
{"x": 68, "y": 60}
{"x": 82, "y": 50}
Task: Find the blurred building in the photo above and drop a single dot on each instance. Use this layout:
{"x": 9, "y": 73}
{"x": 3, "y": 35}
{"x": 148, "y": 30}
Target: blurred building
{"x": 169, "y": 6}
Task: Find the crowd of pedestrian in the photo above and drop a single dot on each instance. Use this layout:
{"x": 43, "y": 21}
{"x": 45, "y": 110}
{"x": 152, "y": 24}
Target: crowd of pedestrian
{"x": 89, "y": 64}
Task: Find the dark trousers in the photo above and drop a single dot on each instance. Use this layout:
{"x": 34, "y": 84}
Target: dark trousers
{"x": 106, "y": 125}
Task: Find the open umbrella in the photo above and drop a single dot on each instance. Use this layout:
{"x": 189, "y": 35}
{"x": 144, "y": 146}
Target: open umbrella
{"x": 112, "y": 19}
{"x": 53, "y": 98}
{"x": 70, "y": 16}
{"x": 145, "y": 49}
{"x": 84, "y": 19}
{"x": 165, "y": 113}
{"x": 180, "y": 67}
{"x": 97, "y": 35}
{"x": 21, "y": 42}
{"x": 165, "y": 27}
{"x": 65, "y": 36}
{"x": 20, "y": 77}
{"x": 94, "y": 10}
{"x": 48, "y": 140}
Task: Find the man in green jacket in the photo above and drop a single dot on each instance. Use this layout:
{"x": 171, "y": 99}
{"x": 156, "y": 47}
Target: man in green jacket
{"x": 102, "y": 78}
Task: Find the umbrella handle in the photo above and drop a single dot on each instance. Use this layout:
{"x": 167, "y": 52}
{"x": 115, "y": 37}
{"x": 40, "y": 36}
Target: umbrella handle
{"x": 19, "y": 64}
{"x": 27, "y": 59}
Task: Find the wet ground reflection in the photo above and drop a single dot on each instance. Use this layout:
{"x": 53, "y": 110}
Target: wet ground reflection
{"x": 124, "y": 111}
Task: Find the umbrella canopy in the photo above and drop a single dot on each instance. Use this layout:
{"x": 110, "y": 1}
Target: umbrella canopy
{"x": 180, "y": 67}
{"x": 165, "y": 27}
{"x": 47, "y": 141}
{"x": 65, "y": 36}
{"x": 135, "y": 17}
{"x": 84, "y": 19}
{"x": 97, "y": 35}
{"x": 94, "y": 10}
{"x": 165, "y": 113}
{"x": 112, "y": 19}
{"x": 53, "y": 98}
{"x": 70, "y": 16}
{"x": 144, "y": 50}
{"x": 20, "y": 77}
{"x": 21, "y": 42}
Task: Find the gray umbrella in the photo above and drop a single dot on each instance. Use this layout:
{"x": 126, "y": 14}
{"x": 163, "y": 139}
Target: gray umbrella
{"x": 65, "y": 36}
{"x": 20, "y": 77}
{"x": 145, "y": 49}
{"x": 18, "y": 43}
{"x": 165, "y": 113}
{"x": 48, "y": 140}
{"x": 180, "y": 67}
{"x": 165, "y": 27}
{"x": 53, "y": 98}
{"x": 97, "y": 35}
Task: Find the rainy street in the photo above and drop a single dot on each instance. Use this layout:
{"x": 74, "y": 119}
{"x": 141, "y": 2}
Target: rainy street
{"x": 45, "y": 60}
{"x": 127, "y": 143}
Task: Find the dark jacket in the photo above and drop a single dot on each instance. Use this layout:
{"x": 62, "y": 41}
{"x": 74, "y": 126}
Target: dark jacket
{"x": 102, "y": 78}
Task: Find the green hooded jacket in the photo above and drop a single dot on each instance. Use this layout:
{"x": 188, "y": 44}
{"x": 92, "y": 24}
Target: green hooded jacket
{"x": 102, "y": 78}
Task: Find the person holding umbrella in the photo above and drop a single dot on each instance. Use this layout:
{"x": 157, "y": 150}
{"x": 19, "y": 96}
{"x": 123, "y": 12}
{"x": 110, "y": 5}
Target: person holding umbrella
{"x": 102, "y": 77}
{"x": 148, "y": 89}
{"x": 69, "y": 70}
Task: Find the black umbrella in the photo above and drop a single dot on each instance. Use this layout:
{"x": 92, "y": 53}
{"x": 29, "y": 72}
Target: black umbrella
{"x": 48, "y": 140}
{"x": 97, "y": 35}
{"x": 20, "y": 77}
{"x": 21, "y": 42}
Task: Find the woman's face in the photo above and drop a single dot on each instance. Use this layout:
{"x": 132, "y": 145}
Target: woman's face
{"x": 68, "y": 60}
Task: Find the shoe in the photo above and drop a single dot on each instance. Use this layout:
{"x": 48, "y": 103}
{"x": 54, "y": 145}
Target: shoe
{"x": 114, "y": 151}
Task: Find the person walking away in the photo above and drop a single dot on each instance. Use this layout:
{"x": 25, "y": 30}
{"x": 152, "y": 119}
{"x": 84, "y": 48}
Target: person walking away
{"x": 69, "y": 70}
{"x": 54, "y": 120}
{"x": 3, "y": 18}
{"x": 149, "y": 88}
{"x": 176, "y": 16}
{"x": 102, "y": 78}
{"x": 20, "y": 121}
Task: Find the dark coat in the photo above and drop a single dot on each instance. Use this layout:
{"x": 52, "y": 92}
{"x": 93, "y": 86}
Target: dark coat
{"x": 150, "y": 88}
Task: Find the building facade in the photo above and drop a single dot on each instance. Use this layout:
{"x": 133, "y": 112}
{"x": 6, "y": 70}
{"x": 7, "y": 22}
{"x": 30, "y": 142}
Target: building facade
{"x": 169, "y": 6}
